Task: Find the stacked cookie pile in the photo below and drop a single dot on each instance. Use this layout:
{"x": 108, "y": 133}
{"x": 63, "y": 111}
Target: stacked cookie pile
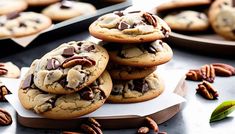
{"x": 133, "y": 41}
{"x": 67, "y": 82}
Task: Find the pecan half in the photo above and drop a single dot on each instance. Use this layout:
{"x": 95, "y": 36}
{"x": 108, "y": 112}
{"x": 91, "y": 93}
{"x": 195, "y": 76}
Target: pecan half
{"x": 194, "y": 75}
{"x": 3, "y": 71}
{"x": 207, "y": 91}
{"x": 93, "y": 121}
{"x": 208, "y": 73}
{"x": 143, "y": 130}
{"x": 87, "y": 129}
{"x": 150, "y": 19}
{"x": 222, "y": 69}
{"x": 5, "y": 118}
{"x": 3, "y": 91}
{"x": 152, "y": 124}
{"x": 73, "y": 61}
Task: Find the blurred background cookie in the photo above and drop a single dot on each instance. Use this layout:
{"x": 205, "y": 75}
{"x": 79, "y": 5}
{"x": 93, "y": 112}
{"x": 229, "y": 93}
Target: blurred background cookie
{"x": 68, "y": 9}
{"x": 9, "y": 70}
{"x": 40, "y": 2}
{"x": 187, "y": 20}
{"x": 23, "y": 24}
{"x": 222, "y": 18}
{"x": 8, "y": 6}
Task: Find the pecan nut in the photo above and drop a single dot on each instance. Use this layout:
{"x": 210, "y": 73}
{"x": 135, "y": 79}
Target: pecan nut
{"x": 194, "y": 75}
{"x": 3, "y": 91}
{"x": 222, "y": 69}
{"x": 93, "y": 121}
{"x": 152, "y": 124}
{"x": 73, "y": 61}
{"x": 3, "y": 71}
{"x": 207, "y": 91}
{"x": 87, "y": 129}
{"x": 5, "y": 118}
{"x": 150, "y": 19}
{"x": 143, "y": 130}
{"x": 208, "y": 73}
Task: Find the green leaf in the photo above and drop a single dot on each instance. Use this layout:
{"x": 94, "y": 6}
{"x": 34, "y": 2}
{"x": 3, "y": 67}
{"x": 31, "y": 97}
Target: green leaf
{"x": 223, "y": 110}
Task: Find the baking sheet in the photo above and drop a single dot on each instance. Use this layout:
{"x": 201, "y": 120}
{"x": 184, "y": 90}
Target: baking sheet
{"x": 165, "y": 100}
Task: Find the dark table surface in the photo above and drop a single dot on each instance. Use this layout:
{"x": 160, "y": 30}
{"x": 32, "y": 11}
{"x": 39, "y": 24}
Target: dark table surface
{"x": 195, "y": 113}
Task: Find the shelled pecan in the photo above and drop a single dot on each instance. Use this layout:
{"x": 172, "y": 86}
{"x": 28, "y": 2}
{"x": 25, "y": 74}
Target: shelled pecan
{"x": 3, "y": 91}
{"x": 91, "y": 127}
{"x": 5, "y": 118}
{"x": 194, "y": 75}
{"x": 143, "y": 130}
{"x": 222, "y": 69}
{"x": 207, "y": 91}
{"x": 3, "y": 70}
{"x": 152, "y": 124}
{"x": 208, "y": 73}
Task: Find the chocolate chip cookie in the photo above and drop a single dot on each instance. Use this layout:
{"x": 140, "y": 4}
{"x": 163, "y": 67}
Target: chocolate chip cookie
{"x": 68, "y": 9}
{"x": 69, "y": 67}
{"x": 8, "y": 6}
{"x": 187, "y": 20}
{"x": 41, "y": 2}
{"x": 67, "y": 106}
{"x": 9, "y": 70}
{"x": 222, "y": 18}
{"x": 127, "y": 72}
{"x": 140, "y": 55}
{"x": 175, "y": 4}
{"x": 23, "y": 24}
{"x": 138, "y": 90}
{"x": 129, "y": 27}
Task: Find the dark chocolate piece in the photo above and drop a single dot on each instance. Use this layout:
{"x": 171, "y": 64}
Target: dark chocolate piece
{"x": 233, "y": 3}
{"x": 52, "y": 64}
{"x": 68, "y": 52}
{"x": 119, "y": 13}
{"x": 27, "y": 82}
{"x": 123, "y": 25}
{"x": 66, "y": 4}
{"x": 140, "y": 85}
{"x": 22, "y": 24}
{"x": 87, "y": 94}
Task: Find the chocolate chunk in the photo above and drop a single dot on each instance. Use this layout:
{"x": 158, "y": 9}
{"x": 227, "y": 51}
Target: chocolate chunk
{"x": 12, "y": 15}
{"x": 79, "y": 43}
{"x": 63, "y": 81}
{"x": 87, "y": 94}
{"x": 52, "y": 64}
{"x": 52, "y": 101}
{"x": 165, "y": 32}
{"x": 123, "y": 25}
{"x": 1, "y": 24}
{"x": 22, "y": 24}
{"x": 27, "y": 82}
{"x": 134, "y": 12}
{"x": 37, "y": 21}
{"x": 89, "y": 48}
{"x": 68, "y": 52}
{"x": 119, "y": 13}
{"x": 66, "y": 4}
{"x": 140, "y": 85}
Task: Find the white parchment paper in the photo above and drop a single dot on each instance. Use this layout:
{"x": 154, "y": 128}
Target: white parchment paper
{"x": 165, "y": 100}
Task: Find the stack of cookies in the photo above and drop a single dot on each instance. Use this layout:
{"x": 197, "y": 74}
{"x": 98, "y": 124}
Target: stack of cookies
{"x": 67, "y": 82}
{"x": 133, "y": 41}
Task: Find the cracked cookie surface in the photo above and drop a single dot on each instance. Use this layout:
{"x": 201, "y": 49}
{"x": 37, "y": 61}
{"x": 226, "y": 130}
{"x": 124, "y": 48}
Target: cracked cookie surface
{"x": 138, "y": 90}
{"x": 68, "y": 9}
{"x": 222, "y": 18}
{"x": 23, "y": 24}
{"x": 129, "y": 27}
{"x": 127, "y": 72}
{"x": 69, "y": 67}
{"x": 67, "y": 106}
{"x": 139, "y": 55}
{"x": 187, "y": 20}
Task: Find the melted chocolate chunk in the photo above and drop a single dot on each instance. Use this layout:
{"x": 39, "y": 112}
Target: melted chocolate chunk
{"x": 119, "y": 13}
{"x": 68, "y": 52}
{"x": 22, "y": 24}
{"x": 27, "y": 82}
{"x": 12, "y": 15}
{"x": 116, "y": 91}
{"x": 140, "y": 85}
{"x": 87, "y": 93}
{"x": 66, "y": 4}
{"x": 79, "y": 43}
{"x": 63, "y": 81}
{"x": 123, "y": 25}
{"x": 52, "y": 64}
{"x": 134, "y": 12}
